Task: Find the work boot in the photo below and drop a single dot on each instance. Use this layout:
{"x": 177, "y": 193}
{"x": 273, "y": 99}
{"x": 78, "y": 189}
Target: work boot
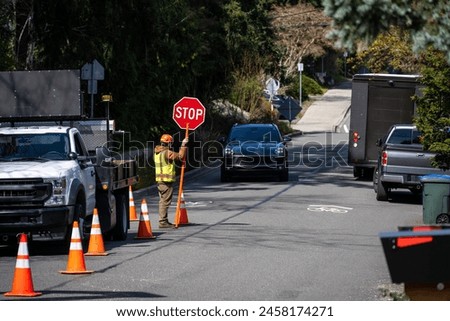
{"x": 166, "y": 225}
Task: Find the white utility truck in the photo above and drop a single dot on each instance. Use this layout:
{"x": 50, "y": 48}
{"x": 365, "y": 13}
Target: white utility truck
{"x": 56, "y": 165}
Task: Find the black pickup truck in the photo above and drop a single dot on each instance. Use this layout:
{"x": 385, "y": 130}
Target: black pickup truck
{"x": 401, "y": 162}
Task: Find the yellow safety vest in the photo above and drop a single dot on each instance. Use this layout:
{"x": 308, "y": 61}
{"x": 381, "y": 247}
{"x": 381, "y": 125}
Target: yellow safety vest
{"x": 165, "y": 170}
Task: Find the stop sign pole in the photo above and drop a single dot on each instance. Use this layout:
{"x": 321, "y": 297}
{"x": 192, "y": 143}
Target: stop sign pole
{"x": 188, "y": 113}
{"x": 180, "y": 188}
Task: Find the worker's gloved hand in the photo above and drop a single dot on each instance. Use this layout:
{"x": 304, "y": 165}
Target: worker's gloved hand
{"x": 184, "y": 142}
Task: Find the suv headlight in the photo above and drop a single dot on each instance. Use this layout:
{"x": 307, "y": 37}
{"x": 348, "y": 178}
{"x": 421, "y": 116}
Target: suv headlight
{"x": 228, "y": 151}
{"x": 58, "y": 196}
{"x": 279, "y": 151}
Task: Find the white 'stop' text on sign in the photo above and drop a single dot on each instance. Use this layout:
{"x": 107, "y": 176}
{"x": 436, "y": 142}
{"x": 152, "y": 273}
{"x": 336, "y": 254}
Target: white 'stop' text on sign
{"x": 189, "y": 113}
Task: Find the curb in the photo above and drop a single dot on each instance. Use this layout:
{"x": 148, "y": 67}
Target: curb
{"x": 344, "y": 117}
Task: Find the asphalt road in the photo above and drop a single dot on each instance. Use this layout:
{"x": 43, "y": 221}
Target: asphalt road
{"x": 314, "y": 237}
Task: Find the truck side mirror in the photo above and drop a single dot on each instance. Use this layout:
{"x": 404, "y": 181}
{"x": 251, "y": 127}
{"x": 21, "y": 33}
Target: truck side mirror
{"x": 103, "y": 156}
{"x": 73, "y": 156}
{"x": 379, "y": 142}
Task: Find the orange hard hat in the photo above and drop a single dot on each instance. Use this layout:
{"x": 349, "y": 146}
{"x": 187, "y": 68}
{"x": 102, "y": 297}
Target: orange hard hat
{"x": 166, "y": 138}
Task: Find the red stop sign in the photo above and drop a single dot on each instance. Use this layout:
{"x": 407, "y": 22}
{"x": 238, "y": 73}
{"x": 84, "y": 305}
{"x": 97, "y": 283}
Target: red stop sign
{"x": 189, "y": 112}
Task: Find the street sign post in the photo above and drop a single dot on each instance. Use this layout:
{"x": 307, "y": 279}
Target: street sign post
{"x": 188, "y": 113}
{"x": 92, "y": 72}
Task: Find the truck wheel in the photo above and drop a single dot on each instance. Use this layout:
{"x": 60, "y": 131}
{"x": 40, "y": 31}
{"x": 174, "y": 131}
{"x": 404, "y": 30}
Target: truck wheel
{"x": 443, "y": 219}
{"x": 416, "y": 191}
{"x": 375, "y": 180}
{"x": 382, "y": 192}
{"x": 284, "y": 175}
{"x": 380, "y": 189}
{"x": 224, "y": 176}
{"x": 357, "y": 172}
{"x": 120, "y": 231}
{"x": 84, "y": 225}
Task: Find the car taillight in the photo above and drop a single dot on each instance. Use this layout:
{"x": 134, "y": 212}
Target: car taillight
{"x": 356, "y": 138}
{"x": 384, "y": 158}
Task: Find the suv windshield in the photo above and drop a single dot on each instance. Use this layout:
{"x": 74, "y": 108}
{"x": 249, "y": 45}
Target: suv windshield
{"x": 36, "y": 146}
{"x": 256, "y": 134}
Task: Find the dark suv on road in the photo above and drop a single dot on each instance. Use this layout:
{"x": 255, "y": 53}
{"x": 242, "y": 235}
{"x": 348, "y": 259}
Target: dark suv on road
{"x": 255, "y": 149}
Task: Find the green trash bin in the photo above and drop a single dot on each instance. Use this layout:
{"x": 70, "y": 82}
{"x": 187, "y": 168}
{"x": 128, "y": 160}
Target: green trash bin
{"x": 436, "y": 199}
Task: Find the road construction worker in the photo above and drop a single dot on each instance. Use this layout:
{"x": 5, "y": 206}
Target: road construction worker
{"x": 165, "y": 158}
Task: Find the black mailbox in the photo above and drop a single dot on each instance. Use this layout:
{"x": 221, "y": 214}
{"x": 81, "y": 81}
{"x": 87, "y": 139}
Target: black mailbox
{"x": 418, "y": 254}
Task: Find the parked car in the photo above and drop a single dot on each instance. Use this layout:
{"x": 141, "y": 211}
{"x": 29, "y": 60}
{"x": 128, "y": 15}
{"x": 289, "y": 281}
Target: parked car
{"x": 401, "y": 162}
{"x": 255, "y": 149}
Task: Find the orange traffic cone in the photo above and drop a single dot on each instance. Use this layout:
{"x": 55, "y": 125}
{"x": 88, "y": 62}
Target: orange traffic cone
{"x": 96, "y": 245}
{"x": 22, "y": 282}
{"x": 145, "y": 227}
{"x": 133, "y": 216}
{"x": 75, "y": 263}
{"x": 182, "y": 216}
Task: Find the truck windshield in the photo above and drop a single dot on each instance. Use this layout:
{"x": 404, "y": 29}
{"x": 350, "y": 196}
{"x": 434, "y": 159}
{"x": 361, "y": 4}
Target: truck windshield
{"x": 17, "y": 147}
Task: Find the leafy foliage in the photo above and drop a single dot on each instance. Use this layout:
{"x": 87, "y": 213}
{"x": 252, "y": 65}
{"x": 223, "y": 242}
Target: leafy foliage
{"x": 434, "y": 106}
{"x": 390, "y": 52}
{"x": 356, "y": 20}
{"x": 154, "y": 52}
{"x": 6, "y": 36}
{"x": 309, "y": 87}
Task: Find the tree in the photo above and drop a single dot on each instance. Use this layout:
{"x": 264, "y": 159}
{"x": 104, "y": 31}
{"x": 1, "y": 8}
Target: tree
{"x": 301, "y": 31}
{"x": 391, "y": 51}
{"x": 356, "y": 20}
{"x": 433, "y": 119}
{"x": 251, "y": 50}
{"x": 154, "y": 52}
{"x": 7, "y": 29}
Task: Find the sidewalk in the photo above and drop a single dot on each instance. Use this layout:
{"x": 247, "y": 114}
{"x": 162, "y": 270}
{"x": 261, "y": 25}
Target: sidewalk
{"x": 328, "y": 112}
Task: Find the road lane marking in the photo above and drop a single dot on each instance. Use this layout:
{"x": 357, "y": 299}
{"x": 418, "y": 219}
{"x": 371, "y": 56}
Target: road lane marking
{"x": 329, "y": 208}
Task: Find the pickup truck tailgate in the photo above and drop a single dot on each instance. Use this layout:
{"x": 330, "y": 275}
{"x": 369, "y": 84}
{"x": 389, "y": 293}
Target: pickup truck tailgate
{"x": 411, "y": 159}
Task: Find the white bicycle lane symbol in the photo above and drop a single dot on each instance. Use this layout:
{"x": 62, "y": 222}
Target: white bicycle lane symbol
{"x": 329, "y": 208}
